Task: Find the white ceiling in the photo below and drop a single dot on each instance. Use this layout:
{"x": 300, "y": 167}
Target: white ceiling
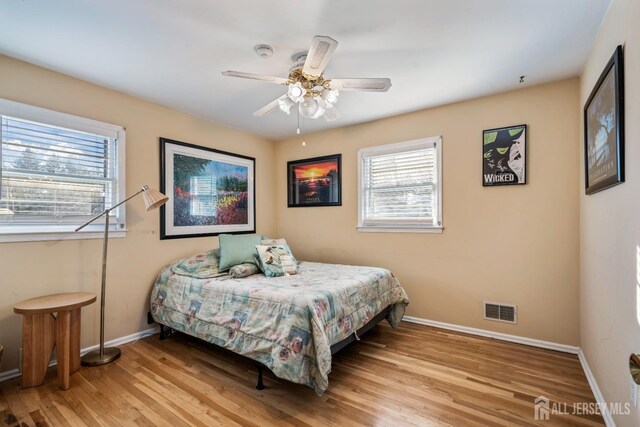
{"x": 172, "y": 51}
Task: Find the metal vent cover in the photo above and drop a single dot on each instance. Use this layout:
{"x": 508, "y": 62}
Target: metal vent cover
{"x": 500, "y": 312}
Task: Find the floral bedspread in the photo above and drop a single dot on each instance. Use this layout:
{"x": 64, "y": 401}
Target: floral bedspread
{"x": 286, "y": 323}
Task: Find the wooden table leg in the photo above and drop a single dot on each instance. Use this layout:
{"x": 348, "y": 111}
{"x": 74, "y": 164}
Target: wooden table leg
{"x": 75, "y": 341}
{"x": 63, "y": 348}
{"x": 38, "y": 340}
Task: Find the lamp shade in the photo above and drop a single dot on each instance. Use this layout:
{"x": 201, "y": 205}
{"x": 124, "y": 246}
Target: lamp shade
{"x": 153, "y": 198}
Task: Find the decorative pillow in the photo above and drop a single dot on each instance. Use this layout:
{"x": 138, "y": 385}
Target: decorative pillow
{"x": 243, "y": 270}
{"x": 201, "y": 266}
{"x": 276, "y": 260}
{"x": 237, "y": 249}
{"x": 281, "y": 242}
{"x": 273, "y": 242}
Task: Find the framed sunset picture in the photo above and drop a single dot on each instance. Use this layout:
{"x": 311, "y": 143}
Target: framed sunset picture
{"x": 315, "y": 182}
{"x": 210, "y": 191}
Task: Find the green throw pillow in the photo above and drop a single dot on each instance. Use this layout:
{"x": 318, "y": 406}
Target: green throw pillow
{"x": 237, "y": 249}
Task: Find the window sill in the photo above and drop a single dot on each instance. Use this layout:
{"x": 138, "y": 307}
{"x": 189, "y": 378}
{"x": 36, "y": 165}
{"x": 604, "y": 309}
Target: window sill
{"x": 41, "y": 236}
{"x": 391, "y": 229}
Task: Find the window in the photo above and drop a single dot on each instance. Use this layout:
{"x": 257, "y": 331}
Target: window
{"x": 401, "y": 187}
{"x": 57, "y": 171}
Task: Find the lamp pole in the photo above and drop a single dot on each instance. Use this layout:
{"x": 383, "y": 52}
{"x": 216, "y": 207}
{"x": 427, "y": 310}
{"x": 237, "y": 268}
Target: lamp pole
{"x": 104, "y": 355}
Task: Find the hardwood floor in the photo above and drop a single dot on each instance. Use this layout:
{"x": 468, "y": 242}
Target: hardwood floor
{"x": 416, "y": 375}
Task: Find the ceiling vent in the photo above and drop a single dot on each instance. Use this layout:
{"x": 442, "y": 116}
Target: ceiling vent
{"x": 500, "y": 312}
{"x": 263, "y": 51}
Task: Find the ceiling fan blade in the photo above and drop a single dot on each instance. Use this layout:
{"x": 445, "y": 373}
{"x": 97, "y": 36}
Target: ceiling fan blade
{"x": 371, "y": 85}
{"x": 320, "y": 52}
{"x": 268, "y": 79}
{"x": 331, "y": 114}
{"x": 268, "y": 108}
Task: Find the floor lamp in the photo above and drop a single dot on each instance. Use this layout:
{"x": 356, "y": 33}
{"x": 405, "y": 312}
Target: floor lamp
{"x": 152, "y": 199}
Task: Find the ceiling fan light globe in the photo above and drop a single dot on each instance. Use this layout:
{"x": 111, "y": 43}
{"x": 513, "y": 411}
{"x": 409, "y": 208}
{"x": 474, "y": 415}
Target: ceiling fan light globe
{"x": 331, "y": 114}
{"x": 319, "y": 113}
{"x": 308, "y": 108}
{"x": 321, "y": 102}
{"x": 285, "y": 104}
{"x": 296, "y": 92}
{"x": 330, "y": 96}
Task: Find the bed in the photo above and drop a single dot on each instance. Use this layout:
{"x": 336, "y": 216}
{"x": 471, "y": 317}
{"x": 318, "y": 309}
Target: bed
{"x": 290, "y": 324}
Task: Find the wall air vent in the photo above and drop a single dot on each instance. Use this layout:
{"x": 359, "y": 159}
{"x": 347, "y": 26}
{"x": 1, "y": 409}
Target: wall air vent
{"x": 500, "y": 312}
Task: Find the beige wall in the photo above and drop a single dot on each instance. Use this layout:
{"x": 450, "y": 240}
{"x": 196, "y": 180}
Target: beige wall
{"x": 610, "y": 227}
{"x": 33, "y": 269}
{"x": 509, "y": 244}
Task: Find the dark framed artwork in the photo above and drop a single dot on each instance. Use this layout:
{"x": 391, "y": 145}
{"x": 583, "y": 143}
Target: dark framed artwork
{"x": 210, "y": 191}
{"x": 504, "y": 156}
{"x": 604, "y": 128}
{"x": 315, "y": 182}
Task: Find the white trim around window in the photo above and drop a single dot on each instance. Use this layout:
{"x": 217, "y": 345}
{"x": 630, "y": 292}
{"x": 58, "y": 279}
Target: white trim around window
{"x": 400, "y": 187}
{"x": 47, "y": 132}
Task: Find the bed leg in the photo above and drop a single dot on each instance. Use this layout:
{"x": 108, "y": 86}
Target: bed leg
{"x": 260, "y": 385}
{"x": 166, "y": 332}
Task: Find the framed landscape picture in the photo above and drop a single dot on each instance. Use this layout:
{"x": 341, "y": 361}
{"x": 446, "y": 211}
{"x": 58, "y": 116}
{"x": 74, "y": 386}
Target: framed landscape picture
{"x": 604, "y": 128}
{"x": 504, "y": 156}
{"x": 315, "y": 182}
{"x": 210, "y": 191}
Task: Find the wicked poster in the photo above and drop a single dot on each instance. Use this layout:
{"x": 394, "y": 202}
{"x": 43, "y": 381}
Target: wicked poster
{"x": 504, "y": 156}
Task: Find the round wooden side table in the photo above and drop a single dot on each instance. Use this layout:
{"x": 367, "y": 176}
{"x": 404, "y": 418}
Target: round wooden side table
{"x": 42, "y": 330}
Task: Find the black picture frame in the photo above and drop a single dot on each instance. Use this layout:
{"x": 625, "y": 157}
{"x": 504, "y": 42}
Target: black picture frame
{"x": 326, "y": 190}
{"x": 497, "y": 145}
{"x": 176, "y": 226}
{"x": 604, "y": 118}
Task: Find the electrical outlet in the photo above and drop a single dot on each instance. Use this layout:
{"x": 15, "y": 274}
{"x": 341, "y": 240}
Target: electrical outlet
{"x": 634, "y": 394}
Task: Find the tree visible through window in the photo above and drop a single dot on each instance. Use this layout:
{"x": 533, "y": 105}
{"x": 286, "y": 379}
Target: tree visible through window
{"x": 53, "y": 175}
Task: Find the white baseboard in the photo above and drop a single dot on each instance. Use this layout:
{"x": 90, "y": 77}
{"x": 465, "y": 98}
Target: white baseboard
{"x": 7, "y": 375}
{"x": 124, "y": 340}
{"x": 606, "y": 414}
{"x": 496, "y": 335}
{"x": 13, "y": 373}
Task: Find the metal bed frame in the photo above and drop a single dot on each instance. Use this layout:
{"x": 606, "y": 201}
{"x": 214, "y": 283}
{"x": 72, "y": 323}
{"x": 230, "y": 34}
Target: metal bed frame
{"x": 166, "y": 332}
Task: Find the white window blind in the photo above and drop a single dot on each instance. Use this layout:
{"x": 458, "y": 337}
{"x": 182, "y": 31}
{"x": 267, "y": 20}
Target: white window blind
{"x": 400, "y": 186}
{"x": 54, "y": 177}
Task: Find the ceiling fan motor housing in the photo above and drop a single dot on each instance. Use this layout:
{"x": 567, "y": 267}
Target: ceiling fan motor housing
{"x": 306, "y": 86}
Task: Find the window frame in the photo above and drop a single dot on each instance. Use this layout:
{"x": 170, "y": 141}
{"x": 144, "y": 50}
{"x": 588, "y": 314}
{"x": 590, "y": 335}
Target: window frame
{"x": 26, "y": 233}
{"x": 400, "y": 147}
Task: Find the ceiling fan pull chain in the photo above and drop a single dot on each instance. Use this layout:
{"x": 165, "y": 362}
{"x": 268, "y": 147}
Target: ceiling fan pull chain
{"x": 304, "y": 144}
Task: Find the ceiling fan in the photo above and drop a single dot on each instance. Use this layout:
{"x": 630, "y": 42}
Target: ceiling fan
{"x": 307, "y": 87}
